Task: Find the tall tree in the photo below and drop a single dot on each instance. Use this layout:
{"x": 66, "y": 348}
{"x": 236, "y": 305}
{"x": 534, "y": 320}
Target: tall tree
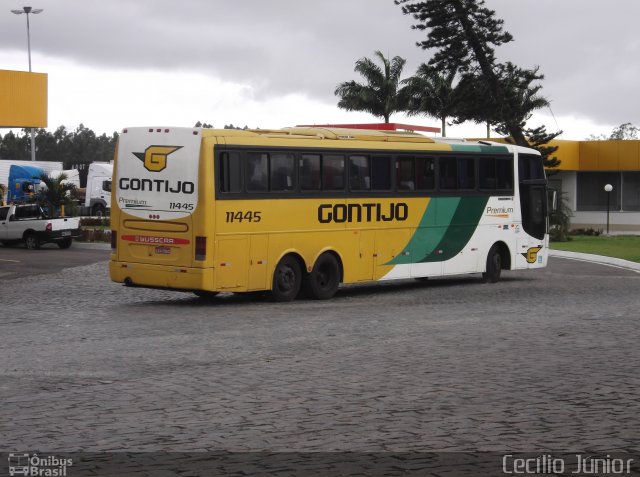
{"x": 431, "y": 93}
{"x": 380, "y": 95}
{"x": 464, "y": 34}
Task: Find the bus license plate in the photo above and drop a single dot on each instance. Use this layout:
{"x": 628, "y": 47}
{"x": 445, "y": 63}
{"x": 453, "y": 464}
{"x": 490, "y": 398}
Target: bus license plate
{"x": 163, "y": 250}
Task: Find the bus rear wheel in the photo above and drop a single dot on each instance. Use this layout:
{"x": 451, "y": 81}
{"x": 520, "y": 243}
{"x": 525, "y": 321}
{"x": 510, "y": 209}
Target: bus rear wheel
{"x": 494, "y": 265}
{"x": 323, "y": 281}
{"x": 287, "y": 279}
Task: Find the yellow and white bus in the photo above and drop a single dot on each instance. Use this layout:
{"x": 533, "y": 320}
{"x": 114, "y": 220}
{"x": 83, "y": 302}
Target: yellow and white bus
{"x": 305, "y": 209}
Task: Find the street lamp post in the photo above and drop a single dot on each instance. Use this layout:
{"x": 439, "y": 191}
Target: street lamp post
{"x": 27, "y": 11}
{"x": 608, "y": 188}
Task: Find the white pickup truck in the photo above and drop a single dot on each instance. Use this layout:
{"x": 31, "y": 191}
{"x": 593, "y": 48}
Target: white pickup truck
{"x": 29, "y": 224}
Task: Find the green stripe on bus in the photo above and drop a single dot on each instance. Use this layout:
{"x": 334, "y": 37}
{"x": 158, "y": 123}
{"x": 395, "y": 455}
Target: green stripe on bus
{"x": 479, "y": 148}
{"x": 463, "y": 225}
{"x": 445, "y": 228}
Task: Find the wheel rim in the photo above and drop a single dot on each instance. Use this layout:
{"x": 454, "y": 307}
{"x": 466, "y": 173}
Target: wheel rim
{"x": 286, "y": 279}
{"x": 323, "y": 277}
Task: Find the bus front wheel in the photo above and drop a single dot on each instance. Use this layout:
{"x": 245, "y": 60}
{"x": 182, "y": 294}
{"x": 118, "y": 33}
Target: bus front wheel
{"x": 287, "y": 279}
{"x": 323, "y": 281}
{"x": 494, "y": 265}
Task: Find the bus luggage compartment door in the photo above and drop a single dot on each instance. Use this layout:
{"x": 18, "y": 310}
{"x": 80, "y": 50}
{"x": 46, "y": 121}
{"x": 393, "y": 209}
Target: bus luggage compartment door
{"x": 231, "y": 263}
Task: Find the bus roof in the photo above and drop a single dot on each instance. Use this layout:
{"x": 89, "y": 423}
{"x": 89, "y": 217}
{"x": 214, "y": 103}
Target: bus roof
{"x": 347, "y": 134}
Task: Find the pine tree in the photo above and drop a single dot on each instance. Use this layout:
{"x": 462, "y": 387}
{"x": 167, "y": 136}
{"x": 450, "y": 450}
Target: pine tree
{"x": 464, "y": 34}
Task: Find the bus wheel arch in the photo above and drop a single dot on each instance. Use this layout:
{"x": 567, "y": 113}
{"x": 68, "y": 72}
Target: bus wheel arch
{"x": 325, "y": 276}
{"x": 287, "y": 277}
{"x": 498, "y": 259}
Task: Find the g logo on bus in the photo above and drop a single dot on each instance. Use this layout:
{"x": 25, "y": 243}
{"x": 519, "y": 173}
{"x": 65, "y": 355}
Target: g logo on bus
{"x": 155, "y": 157}
{"x": 532, "y": 254}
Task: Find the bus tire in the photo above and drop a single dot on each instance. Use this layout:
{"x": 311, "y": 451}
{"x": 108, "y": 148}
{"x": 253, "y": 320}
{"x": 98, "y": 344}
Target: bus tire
{"x": 287, "y": 279}
{"x": 31, "y": 241}
{"x": 323, "y": 281}
{"x": 206, "y": 295}
{"x": 494, "y": 265}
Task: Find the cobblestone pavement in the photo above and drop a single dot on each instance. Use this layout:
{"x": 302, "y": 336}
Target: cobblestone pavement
{"x": 543, "y": 360}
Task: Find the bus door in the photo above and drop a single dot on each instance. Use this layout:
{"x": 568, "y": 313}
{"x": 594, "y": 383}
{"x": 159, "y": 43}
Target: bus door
{"x": 533, "y": 207}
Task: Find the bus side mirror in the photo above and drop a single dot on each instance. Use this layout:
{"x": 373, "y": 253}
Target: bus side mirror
{"x": 552, "y": 199}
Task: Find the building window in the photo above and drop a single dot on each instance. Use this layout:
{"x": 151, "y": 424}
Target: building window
{"x": 591, "y": 194}
{"x": 631, "y": 191}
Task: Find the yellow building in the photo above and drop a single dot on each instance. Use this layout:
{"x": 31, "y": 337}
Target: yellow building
{"x": 586, "y": 167}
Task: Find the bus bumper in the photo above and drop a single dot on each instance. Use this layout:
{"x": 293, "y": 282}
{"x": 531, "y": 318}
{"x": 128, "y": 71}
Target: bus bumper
{"x": 161, "y": 276}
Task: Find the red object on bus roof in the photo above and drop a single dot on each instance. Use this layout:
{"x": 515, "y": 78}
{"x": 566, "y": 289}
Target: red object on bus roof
{"x": 375, "y": 126}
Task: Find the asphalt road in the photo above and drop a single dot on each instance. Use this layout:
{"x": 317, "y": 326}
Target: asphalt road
{"x": 16, "y": 261}
{"x": 544, "y": 361}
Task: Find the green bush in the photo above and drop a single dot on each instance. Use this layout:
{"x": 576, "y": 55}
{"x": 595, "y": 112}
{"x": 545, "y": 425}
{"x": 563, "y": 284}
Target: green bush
{"x": 95, "y": 235}
{"x": 591, "y": 232}
{"x": 95, "y": 222}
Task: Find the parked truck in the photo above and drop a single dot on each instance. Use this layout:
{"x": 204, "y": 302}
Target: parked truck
{"x": 24, "y": 183}
{"x": 29, "y": 224}
{"x": 97, "y": 200}
{"x": 5, "y": 167}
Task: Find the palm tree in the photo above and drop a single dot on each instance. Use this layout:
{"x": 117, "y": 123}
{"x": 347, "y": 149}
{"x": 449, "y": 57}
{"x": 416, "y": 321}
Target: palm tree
{"x": 56, "y": 193}
{"x": 431, "y": 93}
{"x": 3, "y": 191}
{"x": 380, "y": 95}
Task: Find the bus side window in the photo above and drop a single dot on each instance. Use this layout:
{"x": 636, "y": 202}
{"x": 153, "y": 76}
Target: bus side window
{"x": 487, "y": 173}
{"x": 381, "y": 173}
{"x": 359, "y": 173}
{"x": 405, "y": 173}
{"x": 230, "y": 172}
{"x": 425, "y": 173}
{"x": 466, "y": 173}
{"x": 282, "y": 172}
{"x": 257, "y": 168}
{"x": 310, "y": 172}
{"x": 504, "y": 174}
{"x": 332, "y": 172}
{"x": 448, "y": 173}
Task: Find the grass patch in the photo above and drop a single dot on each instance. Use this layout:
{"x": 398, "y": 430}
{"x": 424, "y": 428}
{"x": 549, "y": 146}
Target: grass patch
{"x": 626, "y": 247}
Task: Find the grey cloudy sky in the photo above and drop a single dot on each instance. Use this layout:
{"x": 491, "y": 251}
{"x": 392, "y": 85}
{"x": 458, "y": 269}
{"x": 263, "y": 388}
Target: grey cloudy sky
{"x": 275, "y": 63}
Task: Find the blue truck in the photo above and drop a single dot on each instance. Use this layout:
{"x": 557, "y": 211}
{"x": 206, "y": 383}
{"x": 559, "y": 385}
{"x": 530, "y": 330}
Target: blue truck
{"x": 24, "y": 182}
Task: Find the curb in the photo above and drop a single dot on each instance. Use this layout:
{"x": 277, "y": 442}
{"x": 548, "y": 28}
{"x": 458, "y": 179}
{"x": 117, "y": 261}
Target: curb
{"x": 92, "y": 245}
{"x": 588, "y": 257}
